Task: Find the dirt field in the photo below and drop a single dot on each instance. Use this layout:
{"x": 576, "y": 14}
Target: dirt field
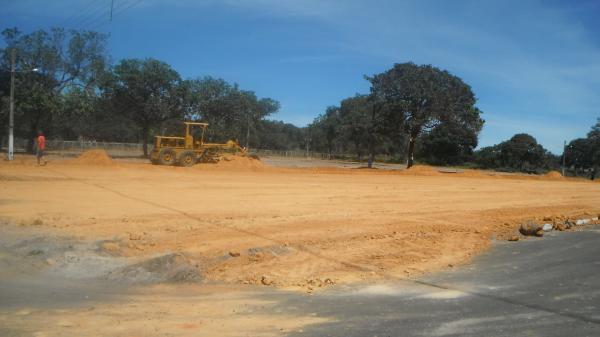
{"x": 243, "y": 222}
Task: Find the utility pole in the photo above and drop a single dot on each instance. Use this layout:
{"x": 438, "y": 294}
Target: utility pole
{"x": 112, "y": 4}
{"x": 11, "y": 113}
{"x": 307, "y": 140}
{"x": 564, "y": 158}
{"x": 248, "y": 131}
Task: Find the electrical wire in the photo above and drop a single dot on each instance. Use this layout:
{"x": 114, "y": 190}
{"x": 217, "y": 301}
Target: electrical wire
{"x": 79, "y": 14}
{"x": 98, "y": 11}
{"x": 117, "y": 11}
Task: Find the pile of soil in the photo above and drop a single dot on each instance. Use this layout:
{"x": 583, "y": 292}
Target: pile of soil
{"x": 170, "y": 268}
{"x": 239, "y": 162}
{"x": 553, "y": 175}
{"x": 94, "y": 157}
{"x": 422, "y": 170}
{"x": 474, "y": 173}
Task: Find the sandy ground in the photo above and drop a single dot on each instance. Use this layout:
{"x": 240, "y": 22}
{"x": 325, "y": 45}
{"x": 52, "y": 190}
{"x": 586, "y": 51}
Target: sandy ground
{"x": 245, "y": 222}
{"x": 96, "y": 247}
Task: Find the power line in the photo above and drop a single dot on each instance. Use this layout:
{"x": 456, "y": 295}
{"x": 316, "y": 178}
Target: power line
{"x": 106, "y": 13}
{"x": 90, "y": 15}
{"x": 77, "y": 16}
{"x": 117, "y": 10}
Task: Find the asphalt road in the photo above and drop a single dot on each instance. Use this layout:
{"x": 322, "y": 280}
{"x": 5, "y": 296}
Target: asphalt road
{"x": 536, "y": 287}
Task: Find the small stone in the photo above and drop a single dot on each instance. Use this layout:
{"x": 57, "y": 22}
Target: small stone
{"x": 530, "y": 228}
{"x": 266, "y": 280}
{"x": 50, "y": 262}
{"x": 36, "y": 252}
{"x": 450, "y": 265}
{"x": 539, "y": 233}
{"x": 514, "y": 238}
{"x": 234, "y": 254}
{"x": 134, "y": 236}
{"x": 110, "y": 247}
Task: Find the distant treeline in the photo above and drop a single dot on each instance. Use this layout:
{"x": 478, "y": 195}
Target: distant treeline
{"x": 67, "y": 87}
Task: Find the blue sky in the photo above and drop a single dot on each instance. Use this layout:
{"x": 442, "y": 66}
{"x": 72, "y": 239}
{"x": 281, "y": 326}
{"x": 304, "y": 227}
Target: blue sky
{"x": 533, "y": 65}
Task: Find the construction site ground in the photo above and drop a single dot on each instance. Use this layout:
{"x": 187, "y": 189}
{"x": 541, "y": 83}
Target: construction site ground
{"x": 90, "y": 226}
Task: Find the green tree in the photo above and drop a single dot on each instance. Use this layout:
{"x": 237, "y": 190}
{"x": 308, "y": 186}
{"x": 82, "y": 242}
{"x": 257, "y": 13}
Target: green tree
{"x": 354, "y": 122}
{"x": 520, "y": 153}
{"x": 277, "y": 135}
{"x": 231, "y": 112}
{"x": 148, "y": 92}
{"x": 452, "y": 142}
{"x": 327, "y": 126}
{"x": 419, "y": 98}
{"x": 64, "y": 60}
{"x": 594, "y": 138}
{"x": 579, "y": 153}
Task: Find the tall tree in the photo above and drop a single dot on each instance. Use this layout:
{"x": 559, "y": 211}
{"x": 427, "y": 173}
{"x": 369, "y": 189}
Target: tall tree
{"x": 419, "y": 98}
{"x": 146, "y": 91}
{"x": 231, "y": 112}
{"x": 579, "y": 154}
{"x": 354, "y": 122}
{"x": 594, "y": 138}
{"x": 450, "y": 142}
{"x": 63, "y": 60}
{"x": 520, "y": 153}
{"x": 328, "y": 125}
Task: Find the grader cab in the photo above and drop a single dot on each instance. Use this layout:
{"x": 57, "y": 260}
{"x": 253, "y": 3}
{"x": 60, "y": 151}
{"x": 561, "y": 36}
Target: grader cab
{"x": 191, "y": 148}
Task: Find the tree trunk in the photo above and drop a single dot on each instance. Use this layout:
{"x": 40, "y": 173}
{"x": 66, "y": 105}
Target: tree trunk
{"x": 31, "y": 141}
{"x": 358, "y": 151}
{"x": 371, "y": 152}
{"x": 411, "y": 151}
{"x": 145, "y": 131}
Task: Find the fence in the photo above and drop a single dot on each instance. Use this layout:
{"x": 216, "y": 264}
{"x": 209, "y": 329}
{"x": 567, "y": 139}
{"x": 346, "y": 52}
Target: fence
{"x": 292, "y": 154}
{"x": 73, "y": 147}
{"x": 80, "y": 146}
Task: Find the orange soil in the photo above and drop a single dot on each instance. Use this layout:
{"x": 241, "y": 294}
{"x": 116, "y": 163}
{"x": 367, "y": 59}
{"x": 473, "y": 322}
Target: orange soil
{"x": 554, "y": 174}
{"x": 94, "y": 157}
{"x": 293, "y": 227}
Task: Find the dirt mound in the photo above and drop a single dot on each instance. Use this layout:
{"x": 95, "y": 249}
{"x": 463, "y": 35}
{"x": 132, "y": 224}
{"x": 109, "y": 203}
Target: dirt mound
{"x": 239, "y": 162}
{"x": 422, "y": 170}
{"x": 553, "y": 174}
{"x": 176, "y": 268}
{"x": 475, "y": 173}
{"x": 94, "y": 157}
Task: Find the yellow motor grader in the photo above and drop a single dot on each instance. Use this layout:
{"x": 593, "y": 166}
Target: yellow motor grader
{"x": 190, "y": 149}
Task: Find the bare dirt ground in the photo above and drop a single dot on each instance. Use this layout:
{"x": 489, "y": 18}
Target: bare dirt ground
{"x": 241, "y": 223}
{"x": 245, "y": 222}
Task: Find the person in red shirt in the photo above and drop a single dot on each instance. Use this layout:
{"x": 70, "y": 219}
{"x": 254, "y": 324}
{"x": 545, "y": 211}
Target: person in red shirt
{"x": 41, "y": 146}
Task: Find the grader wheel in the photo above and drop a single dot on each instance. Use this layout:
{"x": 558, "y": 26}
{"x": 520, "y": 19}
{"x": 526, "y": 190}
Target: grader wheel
{"x": 187, "y": 159}
{"x": 167, "y": 157}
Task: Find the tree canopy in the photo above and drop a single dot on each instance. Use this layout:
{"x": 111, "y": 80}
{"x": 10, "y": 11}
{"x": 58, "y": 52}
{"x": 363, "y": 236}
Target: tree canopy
{"x": 63, "y": 61}
{"x": 520, "y": 153}
{"x": 419, "y": 98}
{"x": 148, "y": 92}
